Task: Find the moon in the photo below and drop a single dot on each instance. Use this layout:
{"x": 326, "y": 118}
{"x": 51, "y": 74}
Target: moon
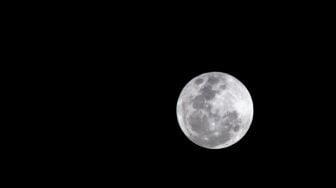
{"x": 214, "y": 110}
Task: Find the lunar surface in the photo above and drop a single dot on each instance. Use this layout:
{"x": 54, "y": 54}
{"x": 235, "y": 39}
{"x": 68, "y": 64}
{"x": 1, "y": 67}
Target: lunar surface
{"x": 214, "y": 110}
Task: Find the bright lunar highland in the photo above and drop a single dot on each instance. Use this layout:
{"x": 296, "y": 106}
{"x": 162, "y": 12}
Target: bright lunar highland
{"x": 214, "y": 110}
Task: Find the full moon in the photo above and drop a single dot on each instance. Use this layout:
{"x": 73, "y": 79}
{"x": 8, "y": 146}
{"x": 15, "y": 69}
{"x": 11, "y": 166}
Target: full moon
{"x": 214, "y": 110}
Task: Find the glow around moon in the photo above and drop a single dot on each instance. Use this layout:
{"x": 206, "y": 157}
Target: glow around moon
{"x": 214, "y": 110}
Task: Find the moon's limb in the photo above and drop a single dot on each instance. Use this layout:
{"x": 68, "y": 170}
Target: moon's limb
{"x": 231, "y": 96}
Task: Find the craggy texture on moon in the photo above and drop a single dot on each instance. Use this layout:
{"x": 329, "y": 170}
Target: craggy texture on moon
{"x": 214, "y": 110}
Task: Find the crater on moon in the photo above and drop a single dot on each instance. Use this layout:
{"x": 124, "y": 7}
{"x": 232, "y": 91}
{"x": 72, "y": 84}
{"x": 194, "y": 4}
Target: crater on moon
{"x": 214, "y": 110}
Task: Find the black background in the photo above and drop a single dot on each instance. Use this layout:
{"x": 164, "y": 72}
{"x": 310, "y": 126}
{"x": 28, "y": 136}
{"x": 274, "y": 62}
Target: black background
{"x": 120, "y": 114}
{"x": 100, "y": 95}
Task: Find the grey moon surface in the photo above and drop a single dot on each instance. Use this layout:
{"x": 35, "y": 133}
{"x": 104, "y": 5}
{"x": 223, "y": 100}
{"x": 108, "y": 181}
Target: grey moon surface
{"x": 214, "y": 110}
